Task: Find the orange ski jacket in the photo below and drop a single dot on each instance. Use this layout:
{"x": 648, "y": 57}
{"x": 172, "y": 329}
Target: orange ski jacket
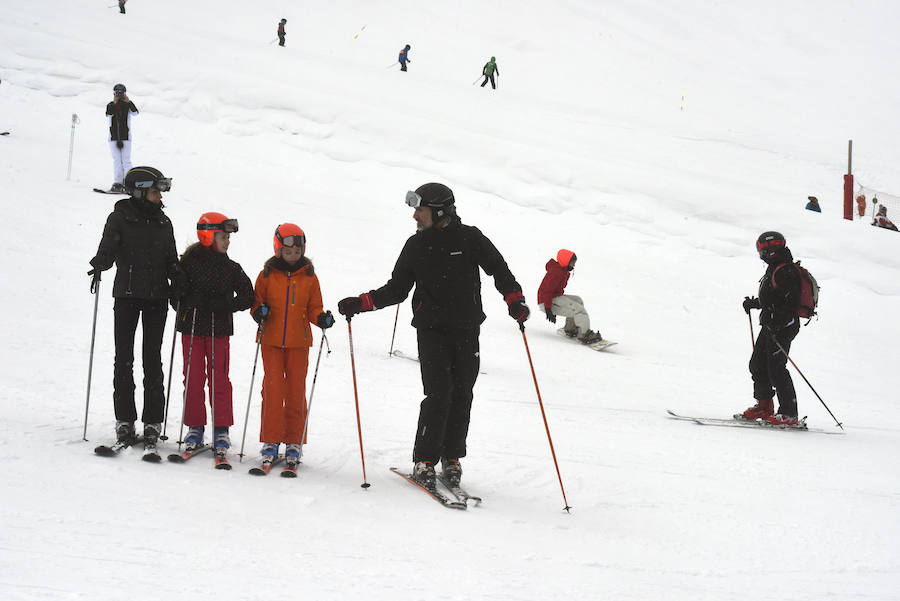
{"x": 295, "y": 301}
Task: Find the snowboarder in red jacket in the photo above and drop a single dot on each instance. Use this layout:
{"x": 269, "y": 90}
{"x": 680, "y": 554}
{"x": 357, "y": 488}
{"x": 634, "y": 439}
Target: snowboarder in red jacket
{"x": 554, "y": 302}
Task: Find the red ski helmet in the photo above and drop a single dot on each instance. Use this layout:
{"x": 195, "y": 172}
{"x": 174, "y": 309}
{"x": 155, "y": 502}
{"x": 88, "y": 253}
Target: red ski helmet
{"x": 211, "y": 222}
{"x": 290, "y": 235}
{"x": 566, "y": 258}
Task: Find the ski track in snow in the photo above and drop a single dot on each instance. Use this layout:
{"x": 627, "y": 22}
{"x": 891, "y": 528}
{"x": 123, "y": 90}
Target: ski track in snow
{"x": 584, "y": 146}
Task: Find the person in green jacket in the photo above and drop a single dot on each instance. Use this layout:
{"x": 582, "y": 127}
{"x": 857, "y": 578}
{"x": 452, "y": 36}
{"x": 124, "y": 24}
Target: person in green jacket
{"x": 488, "y": 71}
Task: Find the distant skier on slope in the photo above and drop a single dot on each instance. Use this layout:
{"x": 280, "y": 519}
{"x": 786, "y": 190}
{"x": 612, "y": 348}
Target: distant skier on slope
{"x": 218, "y": 288}
{"x": 779, "y": 301}
{"x": 404, "y": 57}
{"x": 119, "y": 112}
{"x": 881, "y": 219}
{"x": 442, "y": 259}
{"x": 138, "y": 238}
{"x": 553, "y": 300}
{"x": 813, "y": 204}
{"x": 122, "y": 6}
{"x": 488, "y": 71}
{"x": 281, "y": 33}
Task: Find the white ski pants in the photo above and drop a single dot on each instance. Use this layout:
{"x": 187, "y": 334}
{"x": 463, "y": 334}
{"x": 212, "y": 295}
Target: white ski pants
{"x": 572, "y": 308}
{"x": 121, "y": 160}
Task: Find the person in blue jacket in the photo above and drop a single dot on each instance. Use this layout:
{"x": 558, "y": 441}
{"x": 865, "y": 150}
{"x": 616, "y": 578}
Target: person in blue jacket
{"x": 813, "y": 204}
{"x": 404, "y": 57}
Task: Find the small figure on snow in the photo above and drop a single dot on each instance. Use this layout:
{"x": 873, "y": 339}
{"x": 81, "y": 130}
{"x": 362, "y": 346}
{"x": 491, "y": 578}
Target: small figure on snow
{"x": 813, "y": 204}
{"x": 138, "y": 238}
{"x": 119, "y": 112}
{"x": 779, "y": 302}
{"x": 553, "y": 300}
{"x": 281, "y": 33}
{"x": 488, "y": 71}
{"x": 218, "y": 287}
{"x": 288, "y": 300}
{"x": 122, "y": 6}
{"x": 442, "y": 260}
{"x": 881, "y": 219}
{"x": 404, "y": 57}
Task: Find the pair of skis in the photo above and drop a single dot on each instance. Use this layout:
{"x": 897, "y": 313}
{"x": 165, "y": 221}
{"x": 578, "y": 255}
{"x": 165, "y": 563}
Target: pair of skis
{"x": 738, "y": 421}
{"x": 265, "y": 466}
{"x": 460, "y": 496}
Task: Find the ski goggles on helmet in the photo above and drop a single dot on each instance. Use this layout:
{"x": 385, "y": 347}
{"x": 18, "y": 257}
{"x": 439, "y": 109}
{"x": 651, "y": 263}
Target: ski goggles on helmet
{"x": 768, "y": 247}
{"x": 163, "y": 184}
{"x": 414, "y": 200}
{"x": 294, "y": 240}
{"x": 229, "y": 226}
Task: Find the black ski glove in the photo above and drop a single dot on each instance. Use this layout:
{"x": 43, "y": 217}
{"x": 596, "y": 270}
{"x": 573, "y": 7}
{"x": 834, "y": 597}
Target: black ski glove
{"x": 119, "y": 144}
{"x": 260, "y": 313}
{"x": 550, "y": 316}
{"x": 518, "y": 310}
{"x": 95, "y": 280}
{"x": 750, "y": 303}
{"x": 352, "y": 305}
{"x": 325, "y": 320}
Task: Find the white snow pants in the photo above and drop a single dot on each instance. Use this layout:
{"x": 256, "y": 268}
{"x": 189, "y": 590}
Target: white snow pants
{"x": 572, "y": 308}
{"x": 121, "y": 160}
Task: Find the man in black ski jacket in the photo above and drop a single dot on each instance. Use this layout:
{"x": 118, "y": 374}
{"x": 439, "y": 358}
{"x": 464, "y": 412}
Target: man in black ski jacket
{"x": 119, "y": 113}
{"x": 139, "y": 239}
{"x": 779, "y": 302}
{"x": 443, "y": 259}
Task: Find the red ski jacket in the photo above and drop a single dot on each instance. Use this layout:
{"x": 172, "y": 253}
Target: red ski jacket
{"x": 554, "y": 283}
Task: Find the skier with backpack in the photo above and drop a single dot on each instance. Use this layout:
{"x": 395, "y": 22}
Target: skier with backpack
{"x": 787, "y": 292}
{"x": 218, "y": 288}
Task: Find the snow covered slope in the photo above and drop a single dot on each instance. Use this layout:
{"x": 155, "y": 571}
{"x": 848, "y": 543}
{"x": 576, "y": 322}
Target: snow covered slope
{"x": 655, "y": 141}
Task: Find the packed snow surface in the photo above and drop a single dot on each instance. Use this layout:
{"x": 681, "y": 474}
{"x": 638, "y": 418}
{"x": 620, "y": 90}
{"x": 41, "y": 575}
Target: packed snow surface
{"x": 654, "y": 139}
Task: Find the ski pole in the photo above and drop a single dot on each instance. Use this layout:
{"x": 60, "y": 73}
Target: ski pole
{"x": 187, "y": 377}
{"x": 87, "y": 401}
{"x": 476, "y": 79}
{"x": 313, "y": 391}
{"x": 362, "y": 455}
{"x": 396, "y": 315}
{"x": 259, "y": 332}
{"x": 781, "y": 349}
{"x": 169, "y": 385}
{"x": 212, "y": 376}
{"x": 544, "y": 415}
{"x": 752, "y": 335}
{"x": 75, "y": 121}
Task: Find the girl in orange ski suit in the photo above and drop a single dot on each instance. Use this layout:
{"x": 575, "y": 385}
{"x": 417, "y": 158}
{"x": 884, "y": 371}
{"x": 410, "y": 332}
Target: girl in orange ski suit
{"x": 294, "y": 300}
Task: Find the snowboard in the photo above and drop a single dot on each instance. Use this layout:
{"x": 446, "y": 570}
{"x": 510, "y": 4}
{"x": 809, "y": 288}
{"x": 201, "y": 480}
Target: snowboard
{"x": 597, "y": 346}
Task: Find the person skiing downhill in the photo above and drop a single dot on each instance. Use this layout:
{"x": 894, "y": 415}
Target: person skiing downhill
{"x": 553, "y": 301}
{"x": 404, "y": 57}
{"x": 217, "y": 288}
{"x": 442, "y": 259}
{"x": 488, "y": 71}
{"x": 288, "y": 299}
{"x": 281, "y": 33}
{"x": 119, "y": 112}
{"x": 779, "y": 303}
{"x": 138, "y": 238}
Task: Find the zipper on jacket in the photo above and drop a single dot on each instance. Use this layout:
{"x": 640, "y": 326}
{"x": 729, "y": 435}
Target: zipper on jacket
{"x": 128, "y": 291}
{"x": 287, "y": 296}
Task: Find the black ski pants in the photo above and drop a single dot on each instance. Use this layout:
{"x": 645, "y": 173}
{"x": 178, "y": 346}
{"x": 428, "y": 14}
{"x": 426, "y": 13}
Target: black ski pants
{"x": 449, "y": 362}
{"x": 491, "y": 77}
{"x": 152, "y": 314}
{"x": 281, "y": 40}
{"x": 768, "y": 368}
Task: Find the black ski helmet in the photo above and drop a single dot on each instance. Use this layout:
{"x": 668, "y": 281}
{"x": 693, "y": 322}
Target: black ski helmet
{"x": 119, "y": 88}
{"x": 437, "y": 196}
{"x": 407, "y": 47}
{"x": 284, "y": 21}
{"x": 770, "y": 244}
{"x": 140, "y": 179}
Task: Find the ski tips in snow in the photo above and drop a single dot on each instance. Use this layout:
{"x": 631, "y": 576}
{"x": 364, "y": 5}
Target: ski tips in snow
{"x": 738, "y": 421}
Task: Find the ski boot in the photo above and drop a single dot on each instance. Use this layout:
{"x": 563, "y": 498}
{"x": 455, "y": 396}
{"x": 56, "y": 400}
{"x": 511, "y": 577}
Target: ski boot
{"x": 125, "y": 432}
{"x": 423, "y": 473}
{"x": 761, "y": 410}
{"x": 451, "y": 471}
{"x": 194, "y": 438}
{"x": 151, "y": 437}
{"x": 269, "y": 451}
{"x": 783, "y": 420}
{"x": 221, "y": 440}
